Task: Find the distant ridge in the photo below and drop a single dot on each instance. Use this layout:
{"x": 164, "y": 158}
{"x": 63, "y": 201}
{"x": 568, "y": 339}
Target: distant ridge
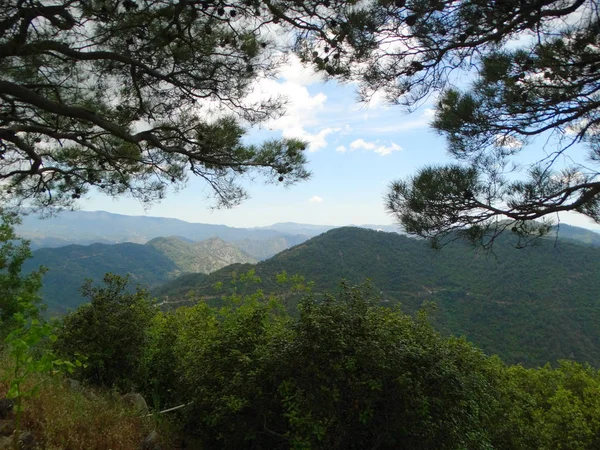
{"x": 88, "y": 227}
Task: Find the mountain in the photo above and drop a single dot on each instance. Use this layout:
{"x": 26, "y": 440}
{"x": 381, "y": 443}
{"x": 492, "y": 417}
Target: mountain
{"x": 148, "y": 265}
{"x": 88, "y": 227}
{"x": 69, "y": 266}
{"x": 578, "y": 234}
{"x": 85, "y": 227}
{"x": 530, "y": 305}
{"x": 298, "y": 228}
{"x": 203, "y": 257}
{"x": 265, "y": 248}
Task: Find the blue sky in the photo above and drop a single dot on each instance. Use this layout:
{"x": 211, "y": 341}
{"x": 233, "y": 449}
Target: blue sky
{"x": 355, "y": 151}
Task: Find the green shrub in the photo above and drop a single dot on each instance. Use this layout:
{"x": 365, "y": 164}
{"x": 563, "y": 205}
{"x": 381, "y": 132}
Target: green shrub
{"x": 110, "y": 333}
{"x": 345, "y": 374}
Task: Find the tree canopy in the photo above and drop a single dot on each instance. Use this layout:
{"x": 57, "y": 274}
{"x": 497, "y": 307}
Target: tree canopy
{"x": 132, "y": 96}
{"x": 538, "y": 76}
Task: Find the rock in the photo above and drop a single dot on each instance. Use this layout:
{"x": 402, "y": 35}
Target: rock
{"x": 152, "y": 442}
{"x": 73, "y": 385}
{"x": 6, "y": 407}
{"x": 90, "y": 395}
{"x": 7, "y": 427}
{"x": 137, "y": 402}
{"x": 27, "y": 441}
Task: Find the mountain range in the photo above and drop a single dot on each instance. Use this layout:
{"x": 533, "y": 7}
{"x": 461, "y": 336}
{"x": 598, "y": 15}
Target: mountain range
{"x": 89, "y": 227}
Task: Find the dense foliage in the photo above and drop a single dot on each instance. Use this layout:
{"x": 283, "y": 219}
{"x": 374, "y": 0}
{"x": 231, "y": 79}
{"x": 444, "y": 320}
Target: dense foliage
{"x": 15, "y": 288}
{"x": 110, "y": 332}
{"x": 348, "y": 373}
{"x": 530, "y": 305}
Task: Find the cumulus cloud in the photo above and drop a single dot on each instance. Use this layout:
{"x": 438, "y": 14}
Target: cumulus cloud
{"x": 301, "y": 108}
{"x": 294, "y": 71}
{"x": 316, "y": 199}
{"x": 375, "y": 146}
{"x": 315, "y": 141}
{"x": 341, "y": 149}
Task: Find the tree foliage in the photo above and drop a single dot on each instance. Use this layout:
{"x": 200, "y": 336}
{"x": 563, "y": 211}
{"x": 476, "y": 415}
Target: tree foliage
{"x": 346, "y": 373}
{"x": 544, "y": 86}
{"x": 16, "y": 289}
{"x": 110, "y": 333}
{"x": 131, "y": 96}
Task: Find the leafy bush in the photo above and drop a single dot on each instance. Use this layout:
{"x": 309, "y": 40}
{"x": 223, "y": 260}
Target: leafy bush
{"x": 16, "y": 289}
{"x": 548, "y": 408}
{"x": 344, "y": 374}
{"x": 110, "y": 333}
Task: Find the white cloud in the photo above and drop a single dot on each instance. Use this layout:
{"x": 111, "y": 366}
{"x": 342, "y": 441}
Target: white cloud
{"x": 341, "y": 149}
{"x": 316, "y": 199}
{"x": 361, "y": 143}
{"x": 315, "y": 141}
{"x": 292, "y": 70}
{"x": 376, "y": 147}
{"x": 300, "y": 112}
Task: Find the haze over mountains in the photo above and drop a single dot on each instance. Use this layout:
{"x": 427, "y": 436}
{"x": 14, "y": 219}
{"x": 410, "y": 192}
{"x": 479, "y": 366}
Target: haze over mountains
{"x": 88, "y": 227}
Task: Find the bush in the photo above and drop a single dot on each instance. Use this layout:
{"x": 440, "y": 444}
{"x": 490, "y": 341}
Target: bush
{"x": 16, "y": 289}
{"x": 346, "y": 374}
{"x": 110, "y": 333}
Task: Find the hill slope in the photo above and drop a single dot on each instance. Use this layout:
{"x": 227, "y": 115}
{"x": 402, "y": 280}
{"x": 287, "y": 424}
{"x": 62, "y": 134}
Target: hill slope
{"x": 85, "y": 227}
{"x": 530, "y": 305}
{"x": 69, "y": 266}
{"x": 148, "y": 265}
{"x": 200, "y": 257}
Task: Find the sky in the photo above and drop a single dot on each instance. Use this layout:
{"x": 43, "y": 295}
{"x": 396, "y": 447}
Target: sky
{"x": 355, "y": 151}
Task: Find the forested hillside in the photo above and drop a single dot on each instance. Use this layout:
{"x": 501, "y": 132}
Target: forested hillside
{"x": 148, "y": 265}
{"x": 530, "y": 305}
{"x": 201, "y": 257}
